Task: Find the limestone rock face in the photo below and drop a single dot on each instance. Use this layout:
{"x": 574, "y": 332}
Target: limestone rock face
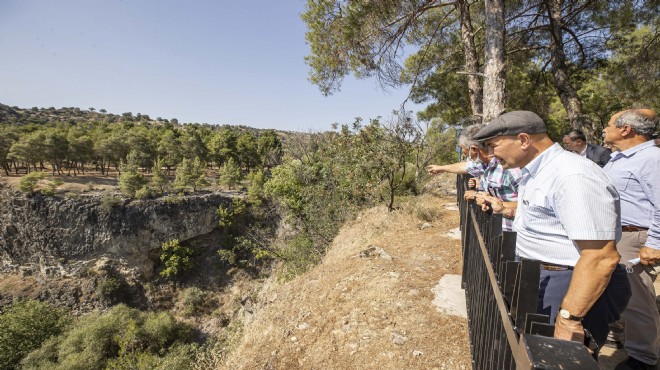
{"x": 45, "y": 232}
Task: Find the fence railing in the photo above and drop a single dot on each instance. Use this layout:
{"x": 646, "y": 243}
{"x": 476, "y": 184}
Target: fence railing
{"x": 501, "y": 292}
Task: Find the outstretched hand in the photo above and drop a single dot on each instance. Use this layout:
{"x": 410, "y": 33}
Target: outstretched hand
{"x": 434, "y": 169}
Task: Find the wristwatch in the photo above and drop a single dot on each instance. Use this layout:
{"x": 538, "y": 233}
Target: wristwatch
{"x": 566, "y": 314}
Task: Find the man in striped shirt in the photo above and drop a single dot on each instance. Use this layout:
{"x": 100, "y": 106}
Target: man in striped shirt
{"x": 568, "y": 217}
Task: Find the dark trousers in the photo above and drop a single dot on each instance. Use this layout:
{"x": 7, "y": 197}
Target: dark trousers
{"x": 607, "y": 308}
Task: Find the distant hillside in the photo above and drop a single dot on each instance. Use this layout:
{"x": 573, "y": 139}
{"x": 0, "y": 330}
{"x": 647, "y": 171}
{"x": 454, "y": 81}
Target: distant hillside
{"x": 39, "y": 116}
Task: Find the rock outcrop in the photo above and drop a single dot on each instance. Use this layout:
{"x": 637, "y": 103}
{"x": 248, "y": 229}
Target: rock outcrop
{"x": 57, "y": 235}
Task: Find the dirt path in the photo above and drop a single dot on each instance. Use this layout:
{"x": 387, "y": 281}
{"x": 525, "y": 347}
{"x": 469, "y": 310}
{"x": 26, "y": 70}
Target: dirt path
{"x": 372, "y": 311}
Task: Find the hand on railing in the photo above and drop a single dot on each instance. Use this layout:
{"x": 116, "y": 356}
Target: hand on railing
{"x": 489, "y": 202}
{"x": 569, "y": 330}
{"x": 473, "y": 183}
{"x": 470, "y": 195}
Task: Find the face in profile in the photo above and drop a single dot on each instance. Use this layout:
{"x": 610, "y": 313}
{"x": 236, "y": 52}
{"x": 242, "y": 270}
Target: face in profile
{"x": 570, "y": 145}
{"x": 506, "y": 149}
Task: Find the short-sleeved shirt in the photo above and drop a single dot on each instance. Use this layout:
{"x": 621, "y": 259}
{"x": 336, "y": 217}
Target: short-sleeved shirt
{"x": 562, "y": 198}
{"x": 502, "y": 184}
{"x": 475, "y": 168}
{"x": 636, "y": 174}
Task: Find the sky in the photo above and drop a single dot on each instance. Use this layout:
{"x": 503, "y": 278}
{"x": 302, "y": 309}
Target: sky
{"x": 218, "y": 62}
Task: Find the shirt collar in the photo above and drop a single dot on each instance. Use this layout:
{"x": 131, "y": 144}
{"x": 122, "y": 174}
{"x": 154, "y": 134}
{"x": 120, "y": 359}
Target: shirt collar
{"x": 534, "y": 167}
{"x": 584, "y": 152}
{"x": 631, "y": 151}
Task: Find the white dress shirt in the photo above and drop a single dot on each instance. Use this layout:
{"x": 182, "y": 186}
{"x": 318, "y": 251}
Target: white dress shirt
{"x": 562, "y": 198}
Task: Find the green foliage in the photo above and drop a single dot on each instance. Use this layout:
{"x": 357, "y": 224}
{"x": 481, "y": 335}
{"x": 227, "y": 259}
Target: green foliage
{"x": 176, "y": 258}
{"x": 190, "y": 173}
{"x": 247, "y": 150}
{"x": 269, "y": 148}
{"x": 256, "y": 195}
{"x": 51, "y": 186}
{"x": 143, "y": 193}
{"x": 227, "y": 215}
{"x": 194, "y": 300}
{"x": 25, "y": 326}
{"x": 158, "y": 177}
{"x": 299, "y": 254}
{"x": 106, "y": 287}
{"x": 230, "y": 173}
{"x": 130, "y": 180}
{"x": 29, "y": 181}
{"x": 109, "y": 201}
{"x": 120, "y": 338}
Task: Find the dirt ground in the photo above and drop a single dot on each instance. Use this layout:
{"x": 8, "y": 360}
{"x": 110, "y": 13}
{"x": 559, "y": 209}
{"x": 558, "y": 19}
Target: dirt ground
{"x": 365, "y": 312}
{"x": 91, "y": 180}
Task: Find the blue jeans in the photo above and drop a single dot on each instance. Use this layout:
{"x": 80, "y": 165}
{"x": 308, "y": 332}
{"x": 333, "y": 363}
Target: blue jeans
{"x": 607, "y": 309}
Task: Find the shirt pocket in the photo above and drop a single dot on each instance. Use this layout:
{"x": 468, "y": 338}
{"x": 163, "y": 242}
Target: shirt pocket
{"x": 622, "y": 182}
{"x": 537, "y": 208}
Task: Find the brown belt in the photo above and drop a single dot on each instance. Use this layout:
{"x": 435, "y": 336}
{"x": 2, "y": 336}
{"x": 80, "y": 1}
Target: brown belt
{"x": 553, "y": 267}
{"x": 629, "y": 228}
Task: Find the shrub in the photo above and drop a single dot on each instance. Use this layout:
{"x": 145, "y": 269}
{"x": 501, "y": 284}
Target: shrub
{"x": 194, "y": 300}
{"x": 29, "y": 181}
{"x": 176, "y": 258}
{"x": 25, "y": 326}
{"x": 299, "y": 254}
{"x": 106, "y": 287}
{"x": 122, "y": 338}
{"x": 51, "y": 186}
{"x": 109, "y": 201}
{"x": 143, "y": 193}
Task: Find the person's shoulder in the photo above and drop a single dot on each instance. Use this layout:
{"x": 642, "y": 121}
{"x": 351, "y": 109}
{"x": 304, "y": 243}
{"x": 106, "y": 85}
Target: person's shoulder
{"x": 567, "y": 161}
{"x": 649, "y": 154}
{"x": 599, "y": 148}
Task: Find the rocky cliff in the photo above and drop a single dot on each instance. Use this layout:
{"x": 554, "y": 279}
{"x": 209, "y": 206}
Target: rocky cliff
{"x": 60, "y": 234}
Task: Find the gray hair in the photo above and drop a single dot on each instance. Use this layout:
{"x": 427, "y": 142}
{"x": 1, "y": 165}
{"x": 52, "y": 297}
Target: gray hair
{"x": 641, "y": 124}
{"x": 466, "y": 138}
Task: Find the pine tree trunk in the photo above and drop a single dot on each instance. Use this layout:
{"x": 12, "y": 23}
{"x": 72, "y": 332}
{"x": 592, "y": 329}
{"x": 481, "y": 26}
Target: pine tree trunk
{"x": 475, "y": 90}
{"x": 567, "y": 93}
{"x": 494, "y": 80}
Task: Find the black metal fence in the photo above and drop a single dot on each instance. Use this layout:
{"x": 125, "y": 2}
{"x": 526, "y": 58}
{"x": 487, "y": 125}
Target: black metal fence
{"x": 502, "y": 293}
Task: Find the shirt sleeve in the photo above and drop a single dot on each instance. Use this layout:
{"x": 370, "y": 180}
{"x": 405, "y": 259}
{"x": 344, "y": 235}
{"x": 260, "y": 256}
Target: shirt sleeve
{"x": 650, "y": 183}
{"x": 586, "y": 209}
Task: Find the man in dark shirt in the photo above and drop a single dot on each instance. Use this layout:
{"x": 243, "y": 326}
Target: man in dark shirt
{"x": 576, "y": 142}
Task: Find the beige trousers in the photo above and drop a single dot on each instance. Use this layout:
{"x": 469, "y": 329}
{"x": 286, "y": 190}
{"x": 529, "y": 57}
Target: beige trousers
{"x": 640, "y": 318}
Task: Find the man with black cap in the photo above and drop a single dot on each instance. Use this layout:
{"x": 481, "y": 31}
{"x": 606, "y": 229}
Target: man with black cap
{"x": 568, "y": 217}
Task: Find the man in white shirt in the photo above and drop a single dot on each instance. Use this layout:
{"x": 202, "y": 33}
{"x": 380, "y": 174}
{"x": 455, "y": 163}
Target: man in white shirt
{"x": 568, "y": 217}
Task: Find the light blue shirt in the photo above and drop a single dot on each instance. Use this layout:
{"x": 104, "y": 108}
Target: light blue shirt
{"x": 562, "y": 198}
{"x": 636, "y": 174}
